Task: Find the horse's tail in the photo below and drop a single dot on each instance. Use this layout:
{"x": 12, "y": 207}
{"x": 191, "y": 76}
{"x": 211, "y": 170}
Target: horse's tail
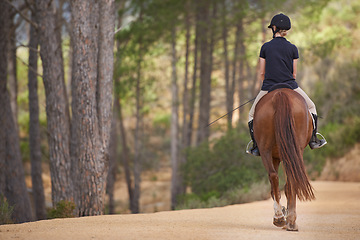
{"x": 289, "y": 149}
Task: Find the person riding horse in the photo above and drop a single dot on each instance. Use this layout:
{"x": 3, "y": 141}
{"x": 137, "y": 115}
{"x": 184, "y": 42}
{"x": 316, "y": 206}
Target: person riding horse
{"x": 278, "y": 64}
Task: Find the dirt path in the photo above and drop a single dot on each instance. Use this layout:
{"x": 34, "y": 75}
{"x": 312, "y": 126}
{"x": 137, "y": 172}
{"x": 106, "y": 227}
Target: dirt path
{"x": 334, "y": 215}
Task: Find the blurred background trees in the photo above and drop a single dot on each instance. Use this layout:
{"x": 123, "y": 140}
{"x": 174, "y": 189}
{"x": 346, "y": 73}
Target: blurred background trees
{"x": 174, "y": 67}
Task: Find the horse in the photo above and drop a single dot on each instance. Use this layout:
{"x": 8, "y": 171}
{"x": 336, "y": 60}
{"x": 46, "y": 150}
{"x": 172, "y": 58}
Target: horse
{"x": 282, "y": 129}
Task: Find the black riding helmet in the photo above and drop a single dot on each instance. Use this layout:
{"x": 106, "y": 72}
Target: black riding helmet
{"x": 281, "y": 22}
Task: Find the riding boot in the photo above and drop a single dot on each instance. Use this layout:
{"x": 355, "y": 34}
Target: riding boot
{"x": 254, "y": 150}
{"x": 314, "y": 141}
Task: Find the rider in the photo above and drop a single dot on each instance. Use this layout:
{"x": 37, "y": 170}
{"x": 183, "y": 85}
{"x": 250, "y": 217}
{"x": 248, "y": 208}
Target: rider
{"x": 278, "y": 64}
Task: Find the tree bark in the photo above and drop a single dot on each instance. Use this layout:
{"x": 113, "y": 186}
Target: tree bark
{"x": 58, "y": 120}
{"x": 12, "y": 75}
{"x": 93, "y": 29}
{"x": 105, "y": 80}
{"x": 4, "y": 31}
{"x": 194, "y": 78}
{"x": 12, "y": 173}
{"x": 34, "y": 128}
{"x": 242, "y": 63}
{"x": 117, "y": 117}
{"x": 85, "y": 124}
{"x": 212, "y": 26}
{"x": 15, "y": 190}
{"x": 176, "y": 179}
{"x": 138, "y": 138}
{"x": 229, "y": 97}
{"x": 105, "y": 72}
{"x": 185, "y": 126}
{"x": 235, "y": 68}
{"x": 185, "y": 141}
{"x": 125, "y": 153}
{"x": 111, "y": 178}
{"x": 139, "y": 122}
{"x": 126, "y": 157}
{"x": 204, "y": 105}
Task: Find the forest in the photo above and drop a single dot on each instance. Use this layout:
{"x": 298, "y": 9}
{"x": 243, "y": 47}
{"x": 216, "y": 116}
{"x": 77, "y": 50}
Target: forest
{"x": 102, "y": 91}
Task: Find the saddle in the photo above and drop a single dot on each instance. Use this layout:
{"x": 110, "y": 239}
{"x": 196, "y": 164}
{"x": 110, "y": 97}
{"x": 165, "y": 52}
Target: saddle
{"x": 279, "y": 85}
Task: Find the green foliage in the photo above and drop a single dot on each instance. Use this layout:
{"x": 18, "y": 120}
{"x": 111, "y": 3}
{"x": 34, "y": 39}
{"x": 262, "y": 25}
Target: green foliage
{"x": 63, "y": 209}
{"x": 161, "y": 123}
{"x": 338, "y": 100}
{"x": 340, "y": 137}
{"x": 255, "y": 192}
{"x": 329, "y": 46}
{"x": 212, "y": 171}
{"x": 5, "y": 211}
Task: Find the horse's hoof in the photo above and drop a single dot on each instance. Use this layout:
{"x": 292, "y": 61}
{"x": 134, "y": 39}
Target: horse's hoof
{"x": 279, "y": 222}
{"x": 292, "y": 227}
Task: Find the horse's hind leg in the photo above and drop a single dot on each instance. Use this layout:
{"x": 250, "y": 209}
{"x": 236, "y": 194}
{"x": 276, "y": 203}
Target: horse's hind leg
{"x": 279, "y": 218}
{"x": 291, "y": 211}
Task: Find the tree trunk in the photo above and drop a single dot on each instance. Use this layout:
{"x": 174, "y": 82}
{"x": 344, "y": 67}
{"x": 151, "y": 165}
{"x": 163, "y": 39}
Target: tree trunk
{"x": 12, "y": 76}
{"x": 58, "y": 31}
{"x": 125, "y": 155}
{"x": 185, "y": 126}
{"x": 138, "y": 139}
{"x": 212, "y": 26}
{"x": 4, "y": 31}
{"x": 93, "y": 29}
{"x": 176, "y": 179}
{"x": 15, "y": 190}
{"x": 242, "y": 63}
{"x": 12, "y": 172}
{"x": 34, "y": 128}
{"x": 138, "y": 128}
{"x": 105, "y": 72}
{"x": 105, "y": 79}
{"x": 85, "y": 123}
{"x": 111, "y": 178}
{"x": 229, "y": 97}
{"x": 234, "y": 68}
{"x": 194, "y": 79}
{"x": 126, "y": 158}
{"x": 117, "y": 117}
{"x": 138, "y": 147}
{"x": 57, "y": 113}
{"x": 204, "y": 106}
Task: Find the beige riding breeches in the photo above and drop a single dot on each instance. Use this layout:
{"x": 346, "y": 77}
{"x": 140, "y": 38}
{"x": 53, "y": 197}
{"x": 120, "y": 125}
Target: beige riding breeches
{"x": 262, "y": 93}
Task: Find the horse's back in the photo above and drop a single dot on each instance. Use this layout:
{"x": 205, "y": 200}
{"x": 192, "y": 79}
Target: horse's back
{"x": 264, "y": 127}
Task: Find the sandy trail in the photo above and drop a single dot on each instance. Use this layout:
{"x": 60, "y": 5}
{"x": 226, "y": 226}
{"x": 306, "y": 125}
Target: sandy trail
{"x": 335, "y": 214}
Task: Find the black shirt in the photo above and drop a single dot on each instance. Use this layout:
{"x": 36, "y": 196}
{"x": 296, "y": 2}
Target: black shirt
{"x": 279, "y": 55}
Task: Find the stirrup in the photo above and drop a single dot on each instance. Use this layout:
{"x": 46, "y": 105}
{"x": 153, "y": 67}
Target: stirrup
{"x": 323, "y": 138}
{"x": 319, "y": 143}
{"x": 248, "y": 151}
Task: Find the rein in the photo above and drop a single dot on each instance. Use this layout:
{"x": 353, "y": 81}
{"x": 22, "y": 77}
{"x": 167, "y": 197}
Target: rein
{"x": 231, "y": 111}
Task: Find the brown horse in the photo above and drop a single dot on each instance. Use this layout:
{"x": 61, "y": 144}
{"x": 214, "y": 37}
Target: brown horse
{"x": 282, "y": 129}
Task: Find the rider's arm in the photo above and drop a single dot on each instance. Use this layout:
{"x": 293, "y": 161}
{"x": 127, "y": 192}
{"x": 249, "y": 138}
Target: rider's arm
{"x": 261, "y": 69}
{"x": 294, "y": 68}
{"x": 261, "y": 73}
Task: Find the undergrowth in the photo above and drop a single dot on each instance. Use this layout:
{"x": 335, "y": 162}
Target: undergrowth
{"x": 340, "y": 137}
{"x": 5, "y": 211}
{"x": 221, "y": 173}
{"x": 63, "y": 209}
